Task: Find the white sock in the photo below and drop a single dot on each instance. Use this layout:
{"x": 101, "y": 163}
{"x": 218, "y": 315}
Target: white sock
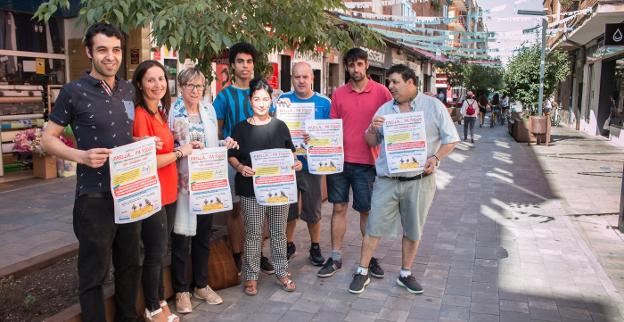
{"x": 361, "y": 270}
{"x": 405, "y": 272}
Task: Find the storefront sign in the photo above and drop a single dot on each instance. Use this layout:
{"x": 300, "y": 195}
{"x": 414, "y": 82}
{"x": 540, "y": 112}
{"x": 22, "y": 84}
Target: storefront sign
{"x": 375, "y": 57}
{"x": 614, "y": 34}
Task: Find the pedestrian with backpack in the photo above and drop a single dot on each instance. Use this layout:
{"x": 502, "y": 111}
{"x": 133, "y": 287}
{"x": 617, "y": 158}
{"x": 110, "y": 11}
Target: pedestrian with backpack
{"x": 469, "y": 111}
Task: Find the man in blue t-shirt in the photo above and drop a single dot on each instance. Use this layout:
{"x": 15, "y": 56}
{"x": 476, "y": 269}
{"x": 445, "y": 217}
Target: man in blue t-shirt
{"x": 309, "y": 185}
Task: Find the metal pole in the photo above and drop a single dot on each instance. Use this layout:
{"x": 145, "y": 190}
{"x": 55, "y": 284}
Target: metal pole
{"x": 540, "y": 98}
{"x": 621, "y": 217}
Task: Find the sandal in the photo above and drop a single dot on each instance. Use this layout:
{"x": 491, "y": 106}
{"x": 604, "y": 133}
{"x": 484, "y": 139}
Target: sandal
{"x": 251, "y": 287}
{"x": 287, "y": 284}
{"x": 170, "y": 316}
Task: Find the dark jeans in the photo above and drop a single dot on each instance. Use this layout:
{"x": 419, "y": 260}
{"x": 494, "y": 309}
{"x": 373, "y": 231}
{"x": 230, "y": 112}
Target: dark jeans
{"x": 469, "y": 123}
{"x": 200, "y": 251}
{"x": 170, "y": 209}
{"x": 154, "y": 234}
{"x": 99, "y": 238}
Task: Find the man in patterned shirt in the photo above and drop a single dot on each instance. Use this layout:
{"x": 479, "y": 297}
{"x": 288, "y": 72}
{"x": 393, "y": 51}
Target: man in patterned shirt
{"x": 99, "y": 107}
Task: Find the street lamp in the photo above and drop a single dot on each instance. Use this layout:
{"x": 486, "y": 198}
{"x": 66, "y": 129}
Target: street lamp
{"x": 543, "y": 14}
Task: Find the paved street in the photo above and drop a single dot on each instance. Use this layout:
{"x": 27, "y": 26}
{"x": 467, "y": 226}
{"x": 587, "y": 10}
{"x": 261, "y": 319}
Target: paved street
{"x": 516, "y": 233}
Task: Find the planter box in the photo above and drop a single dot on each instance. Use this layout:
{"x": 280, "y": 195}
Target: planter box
{"x": 519, "y": 128}
{"x": 44, "y": 166}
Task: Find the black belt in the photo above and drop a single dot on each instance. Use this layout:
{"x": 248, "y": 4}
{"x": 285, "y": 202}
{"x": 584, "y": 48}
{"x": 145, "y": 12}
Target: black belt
{"x": 98, "y": 195}
{"x": 416, "y": 177}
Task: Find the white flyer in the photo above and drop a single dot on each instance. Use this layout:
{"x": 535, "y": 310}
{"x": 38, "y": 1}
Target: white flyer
{"x": 275, "y": 182}
{"x": 134, "y": 181}
{"x": 325, "y": 148}
{"x": 405, "y": 142}
{"x": 295, "y": 116}
{"x": 209, "y": 189}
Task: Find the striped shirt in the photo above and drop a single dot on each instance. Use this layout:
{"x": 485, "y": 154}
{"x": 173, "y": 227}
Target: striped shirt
{"x": 232, "y": 106}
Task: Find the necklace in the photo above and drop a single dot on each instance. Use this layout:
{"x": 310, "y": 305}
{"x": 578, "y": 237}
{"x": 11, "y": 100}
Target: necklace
{"x": 253, "y": 121}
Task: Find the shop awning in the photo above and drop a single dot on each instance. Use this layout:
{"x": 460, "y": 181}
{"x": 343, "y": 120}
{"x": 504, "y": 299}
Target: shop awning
{"x": 594, "y": 25}
{"x": 30, "y": 6}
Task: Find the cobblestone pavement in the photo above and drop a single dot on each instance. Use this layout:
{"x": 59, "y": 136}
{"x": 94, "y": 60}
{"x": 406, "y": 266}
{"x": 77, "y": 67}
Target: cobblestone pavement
{"x": 516, "y": 233}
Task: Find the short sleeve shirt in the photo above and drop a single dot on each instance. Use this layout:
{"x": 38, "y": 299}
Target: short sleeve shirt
{"x": 232, "y": 106}
{"x": 322, "y": 105}
{"x": 146, "y": 124}
{"x": 439, "y": 129}
{"x": 356, "y": 109}
{"x": 250, "y": 138}
{"x": 100, "y": 117}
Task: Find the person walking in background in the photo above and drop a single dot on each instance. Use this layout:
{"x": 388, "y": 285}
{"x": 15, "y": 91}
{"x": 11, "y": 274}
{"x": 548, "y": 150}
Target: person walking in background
{"x": 496, "y": 110}
{"x": 469, "y": 112}
{"x": 191, "y": 120}
{"x": 256, "y": 133}
{"x": 484, "y": 105}
{"x": 504, "y": 108}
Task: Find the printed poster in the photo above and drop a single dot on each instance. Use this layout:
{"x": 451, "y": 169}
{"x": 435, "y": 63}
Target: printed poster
{"x": 209, "y": 189}
{"x": 134, "y": 181}
{"x": 405, "y": 142}
{"x": 295, "y": 116}
{"x": 275, "y": 182}
{"x": 325, "y": 148}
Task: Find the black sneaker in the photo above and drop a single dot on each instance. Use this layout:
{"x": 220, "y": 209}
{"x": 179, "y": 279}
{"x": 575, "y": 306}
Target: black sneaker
{"x": 359, "y": 283}
{"x": 410, "y": 284}
{"x": 291, "y": 250}
{"x": 374, "y": 269}
{"x": 315, "y": 256}
{"x": 266, "y": 266}
{"x": 329, "y": 268}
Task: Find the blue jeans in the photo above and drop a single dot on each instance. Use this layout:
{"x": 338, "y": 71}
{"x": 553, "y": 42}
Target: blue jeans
{"x": 360, "y": 177}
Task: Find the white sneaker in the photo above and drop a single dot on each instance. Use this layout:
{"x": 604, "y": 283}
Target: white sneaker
{"x": 183, "y": 303}
{"x": 208, "y": 295}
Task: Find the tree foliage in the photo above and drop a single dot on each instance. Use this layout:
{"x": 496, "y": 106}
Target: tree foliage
{"x": 202, "y": 29}
{"x": 522, "y": 74}
{"x": 482, "y": 79}
{"x": 477, "y": 78}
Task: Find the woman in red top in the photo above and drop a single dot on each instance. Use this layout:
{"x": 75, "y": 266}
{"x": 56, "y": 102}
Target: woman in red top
{"x": 152, "y": 105}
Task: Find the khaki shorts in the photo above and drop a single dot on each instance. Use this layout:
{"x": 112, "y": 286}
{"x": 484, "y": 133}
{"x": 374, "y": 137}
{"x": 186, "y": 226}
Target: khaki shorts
{"x": 408, "y": 201}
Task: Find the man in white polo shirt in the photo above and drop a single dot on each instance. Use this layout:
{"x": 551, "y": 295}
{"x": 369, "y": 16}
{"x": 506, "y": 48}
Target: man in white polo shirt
{"x": 405, "y": 196}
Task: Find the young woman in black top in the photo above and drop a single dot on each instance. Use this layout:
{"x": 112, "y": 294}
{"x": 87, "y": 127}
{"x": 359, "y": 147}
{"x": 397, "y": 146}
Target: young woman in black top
{"x": 261, "y": 132}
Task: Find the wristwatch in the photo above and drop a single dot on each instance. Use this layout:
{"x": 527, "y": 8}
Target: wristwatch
{"x": 437, "y": 160}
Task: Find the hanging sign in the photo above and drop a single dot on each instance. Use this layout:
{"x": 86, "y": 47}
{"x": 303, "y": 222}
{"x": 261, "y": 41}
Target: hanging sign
{"x": 614, "y": 34}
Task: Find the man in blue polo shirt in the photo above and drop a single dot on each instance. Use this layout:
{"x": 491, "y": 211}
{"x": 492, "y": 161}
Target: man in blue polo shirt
{"x": 309, "y": 185}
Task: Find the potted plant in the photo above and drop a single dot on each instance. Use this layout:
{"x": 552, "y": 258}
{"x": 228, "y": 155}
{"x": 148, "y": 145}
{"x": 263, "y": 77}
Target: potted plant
{"x": 29, "y": 142}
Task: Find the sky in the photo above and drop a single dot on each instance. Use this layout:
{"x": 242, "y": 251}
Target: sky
{"x": 504, "y": 20}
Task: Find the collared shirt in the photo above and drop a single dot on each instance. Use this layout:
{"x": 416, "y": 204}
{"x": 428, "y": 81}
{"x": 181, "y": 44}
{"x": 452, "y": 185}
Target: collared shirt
{"x": 356, "y": 109}
{"x": 439, "y": 129}
{"x": 322, "y": 105}
{"x": 98, "y": 120}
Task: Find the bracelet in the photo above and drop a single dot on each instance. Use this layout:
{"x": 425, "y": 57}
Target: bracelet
{"x": 435, "y": 156}
{"x": 238, "y": 166}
